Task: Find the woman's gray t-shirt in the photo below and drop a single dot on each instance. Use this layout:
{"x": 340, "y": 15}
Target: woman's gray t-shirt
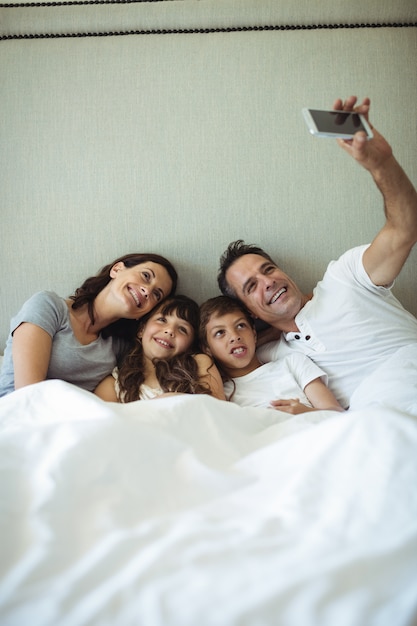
{"x": 81, "y": 365}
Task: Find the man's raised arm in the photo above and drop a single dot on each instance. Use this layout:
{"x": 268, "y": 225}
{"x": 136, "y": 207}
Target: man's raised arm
{"x": 384, "y": 259}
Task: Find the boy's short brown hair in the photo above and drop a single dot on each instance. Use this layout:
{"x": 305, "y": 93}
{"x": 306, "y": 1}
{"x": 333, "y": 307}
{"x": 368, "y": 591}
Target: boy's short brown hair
{"x": 220, "y": 305}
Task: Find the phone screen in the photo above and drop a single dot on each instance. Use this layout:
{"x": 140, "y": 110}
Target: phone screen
{"x": 337, "y": 121}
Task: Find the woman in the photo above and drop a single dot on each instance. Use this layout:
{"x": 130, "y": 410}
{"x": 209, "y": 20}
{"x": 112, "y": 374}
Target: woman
{"x": 80, "y": 339}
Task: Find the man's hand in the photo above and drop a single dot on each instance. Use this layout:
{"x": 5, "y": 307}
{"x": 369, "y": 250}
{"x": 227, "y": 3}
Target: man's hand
{"x": 372, "y": 154}
{"x": 389, "y": 250}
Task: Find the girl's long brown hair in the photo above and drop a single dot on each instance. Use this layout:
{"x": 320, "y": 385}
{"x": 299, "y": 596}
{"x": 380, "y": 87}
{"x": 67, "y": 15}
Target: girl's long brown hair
{"x": 179, "y": 374}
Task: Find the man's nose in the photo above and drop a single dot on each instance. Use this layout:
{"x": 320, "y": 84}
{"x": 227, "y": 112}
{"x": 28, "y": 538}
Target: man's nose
{"x": 268, "y": 282}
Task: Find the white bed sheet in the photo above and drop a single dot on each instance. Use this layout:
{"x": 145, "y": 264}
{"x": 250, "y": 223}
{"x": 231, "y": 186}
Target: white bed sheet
{"x": 188, "y": 510}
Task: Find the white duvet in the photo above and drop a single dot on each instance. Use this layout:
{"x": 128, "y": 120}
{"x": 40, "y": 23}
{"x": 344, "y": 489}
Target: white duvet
{"x": 189, "y": 511}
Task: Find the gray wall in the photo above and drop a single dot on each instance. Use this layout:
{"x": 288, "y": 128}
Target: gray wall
{"x": 180, "y": 143}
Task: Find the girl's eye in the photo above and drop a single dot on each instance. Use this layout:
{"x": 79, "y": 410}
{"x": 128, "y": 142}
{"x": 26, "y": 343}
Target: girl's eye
{"x": 184, "y": 330}
{"x": 162, "y": 319}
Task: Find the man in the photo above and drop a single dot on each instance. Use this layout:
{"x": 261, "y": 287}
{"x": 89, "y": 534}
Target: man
{"x": 351, "y": 323}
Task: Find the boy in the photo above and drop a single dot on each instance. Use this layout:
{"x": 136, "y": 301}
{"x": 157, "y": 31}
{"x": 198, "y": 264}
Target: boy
{"x": 293, "y": 384}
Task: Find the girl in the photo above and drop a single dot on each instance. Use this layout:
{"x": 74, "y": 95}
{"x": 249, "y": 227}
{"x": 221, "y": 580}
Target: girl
{"x": 293, "y": 384}
{"x": 164, "y": 358}
{"x": 79, "y": 339}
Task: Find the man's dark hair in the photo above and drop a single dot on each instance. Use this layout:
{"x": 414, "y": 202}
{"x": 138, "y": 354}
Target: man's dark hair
{"x": 234, "y": 251}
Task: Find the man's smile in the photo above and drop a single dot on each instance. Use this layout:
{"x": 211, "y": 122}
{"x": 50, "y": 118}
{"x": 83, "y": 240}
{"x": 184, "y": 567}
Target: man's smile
{"x": 277, "y": 295}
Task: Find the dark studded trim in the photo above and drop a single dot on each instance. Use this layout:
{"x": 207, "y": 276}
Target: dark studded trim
{"x": 191, "y": 31}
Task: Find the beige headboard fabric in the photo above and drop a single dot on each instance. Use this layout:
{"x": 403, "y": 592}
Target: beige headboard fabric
{"x": 176, "y": 127}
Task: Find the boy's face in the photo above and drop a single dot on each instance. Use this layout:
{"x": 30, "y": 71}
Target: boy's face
{"x": 232, "y": 342}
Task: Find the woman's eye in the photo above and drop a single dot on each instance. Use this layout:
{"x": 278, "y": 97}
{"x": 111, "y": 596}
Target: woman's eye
{"x": 157, "y": 296}
{"x": 146, "y": 276}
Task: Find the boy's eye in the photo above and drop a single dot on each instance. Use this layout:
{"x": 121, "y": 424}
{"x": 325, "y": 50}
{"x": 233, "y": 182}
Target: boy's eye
{"x": 219, "y": 333}
{"x": 241, "y": 325}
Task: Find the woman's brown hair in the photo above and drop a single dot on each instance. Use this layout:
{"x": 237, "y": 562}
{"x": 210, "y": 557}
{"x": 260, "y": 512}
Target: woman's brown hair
{"x": 91, "y": 287}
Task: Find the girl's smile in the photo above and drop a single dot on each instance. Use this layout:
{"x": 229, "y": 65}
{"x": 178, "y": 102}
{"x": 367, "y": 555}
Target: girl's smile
{"x": 165, "y": 336}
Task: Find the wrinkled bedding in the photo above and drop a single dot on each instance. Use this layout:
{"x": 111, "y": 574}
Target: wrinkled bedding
{"x": 188, "y": 510}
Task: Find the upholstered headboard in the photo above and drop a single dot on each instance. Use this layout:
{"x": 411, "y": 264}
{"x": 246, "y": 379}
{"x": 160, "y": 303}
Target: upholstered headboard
{"x": 176, "y": 127}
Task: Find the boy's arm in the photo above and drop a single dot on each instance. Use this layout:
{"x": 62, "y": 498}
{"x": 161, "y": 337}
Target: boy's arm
{"x": 321, "y": 397}
{"x": 318, "y": 394}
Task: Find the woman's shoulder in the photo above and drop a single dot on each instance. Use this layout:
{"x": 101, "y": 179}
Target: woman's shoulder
{"x": 44, "y": 309}
{"x": 43, "y": 304}
{"x": 47, "y": 298}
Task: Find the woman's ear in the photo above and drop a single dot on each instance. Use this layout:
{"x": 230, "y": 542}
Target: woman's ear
{"x": 116, "y": 268}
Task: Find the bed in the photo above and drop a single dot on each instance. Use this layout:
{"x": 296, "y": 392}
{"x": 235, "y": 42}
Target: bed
{"x": 189, "y": 510}
{"x": 175, "y": 127}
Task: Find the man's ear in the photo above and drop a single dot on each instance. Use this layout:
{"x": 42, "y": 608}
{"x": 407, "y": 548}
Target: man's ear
{"x": 116, "y": 268}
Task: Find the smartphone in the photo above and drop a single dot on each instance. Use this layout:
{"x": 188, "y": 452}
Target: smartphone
{"x": 343, "y": 124}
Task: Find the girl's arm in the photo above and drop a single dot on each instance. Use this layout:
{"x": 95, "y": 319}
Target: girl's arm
{"x": 209, "y": 374}
{"x": 319, "y": 395}
{"x": 31, "y": 351}
{"x": 106, "y": 390}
